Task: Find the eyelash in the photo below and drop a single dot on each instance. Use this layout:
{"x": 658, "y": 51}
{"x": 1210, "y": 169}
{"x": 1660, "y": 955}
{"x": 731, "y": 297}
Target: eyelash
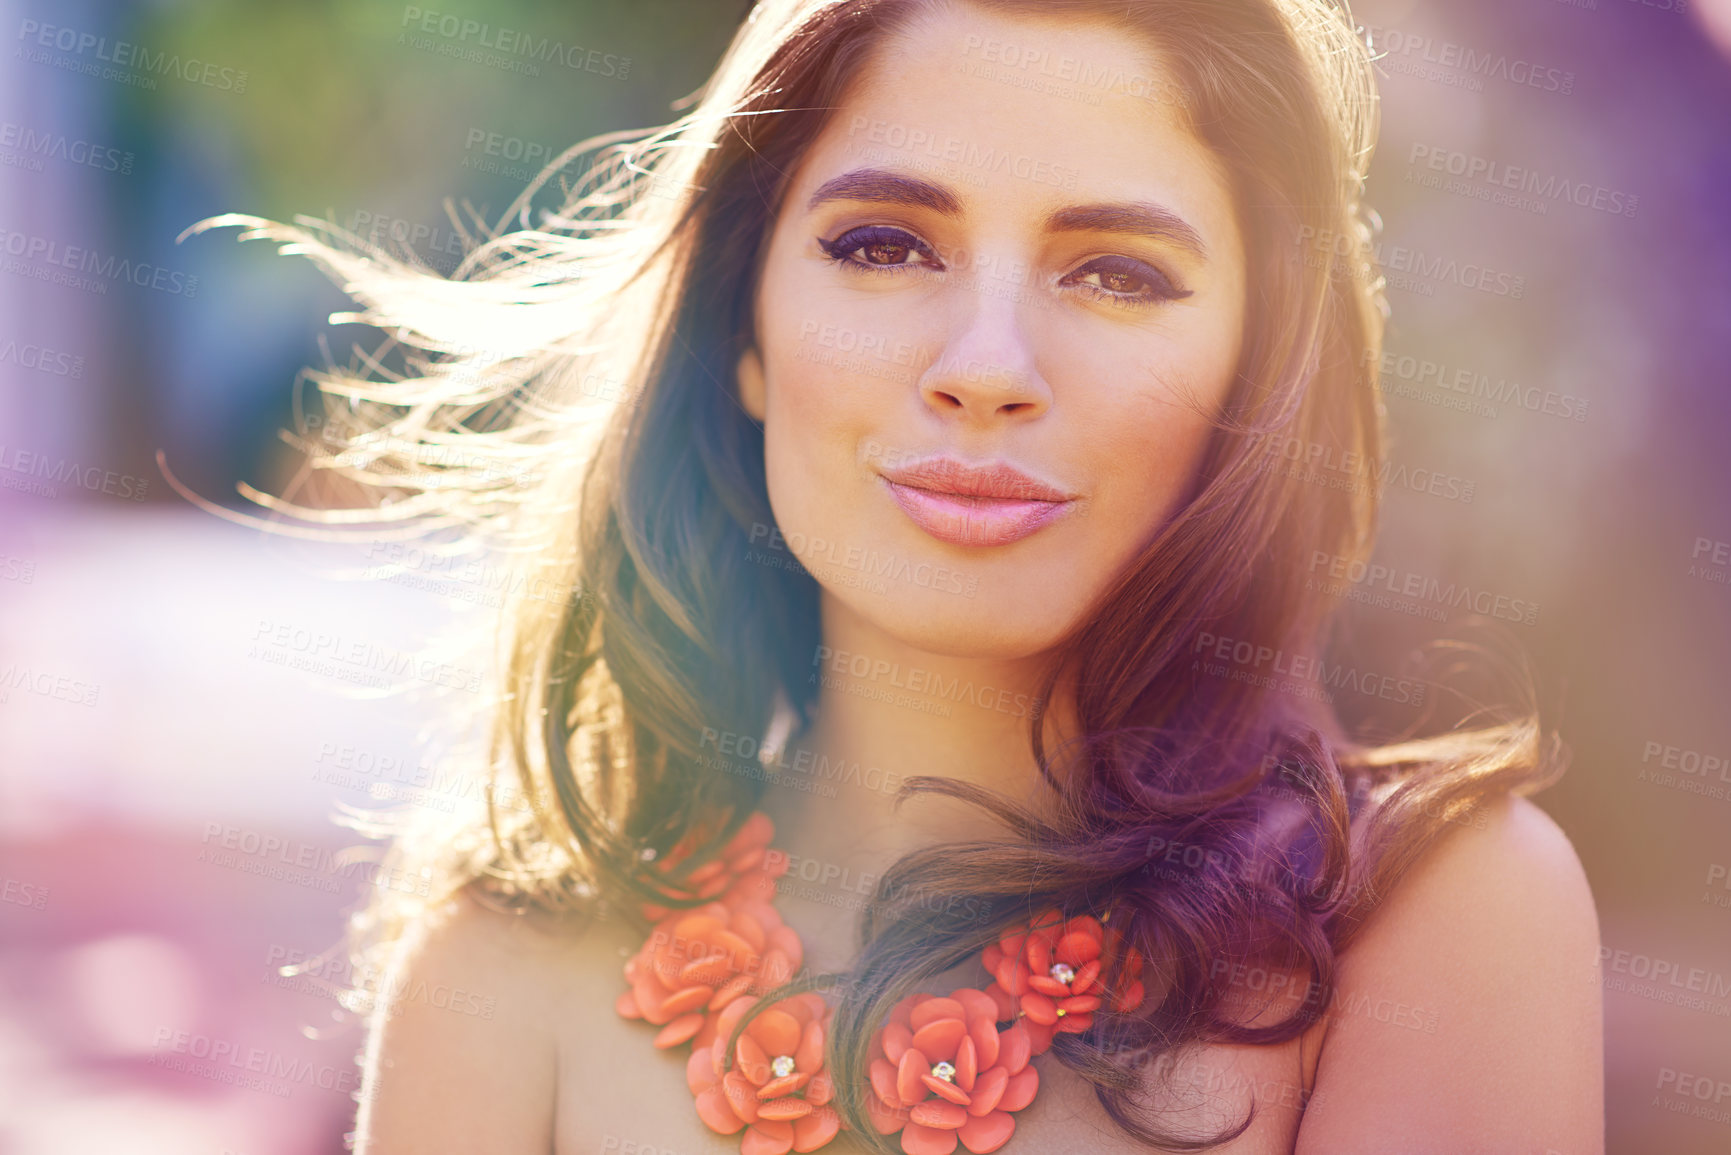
{"x": 1158, "y": 287}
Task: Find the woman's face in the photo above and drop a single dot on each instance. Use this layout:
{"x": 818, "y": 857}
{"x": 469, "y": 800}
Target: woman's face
{"x": 1002, "y": 280}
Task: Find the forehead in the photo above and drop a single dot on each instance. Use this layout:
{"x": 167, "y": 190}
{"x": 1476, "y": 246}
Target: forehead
{"x": 1008, "y": 109}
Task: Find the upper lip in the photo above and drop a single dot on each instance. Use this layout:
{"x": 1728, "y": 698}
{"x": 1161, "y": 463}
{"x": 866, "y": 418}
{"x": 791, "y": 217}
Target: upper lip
{"x": 996, "y": 479}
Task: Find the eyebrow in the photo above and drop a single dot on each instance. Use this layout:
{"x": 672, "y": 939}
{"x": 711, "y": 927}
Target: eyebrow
{"x": 1136, "y": 218}
{"x": 874, "y": 184}
{"x": 1139, "y": 219}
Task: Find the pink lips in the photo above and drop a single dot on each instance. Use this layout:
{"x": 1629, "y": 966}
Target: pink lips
{"x": 975, "y": 504}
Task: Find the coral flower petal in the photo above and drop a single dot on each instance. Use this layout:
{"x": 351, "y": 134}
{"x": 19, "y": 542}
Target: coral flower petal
{"x": 1047, "y": 985}
{"x": 751, "y": 1060}
{"x": 909, "y": 1088}
{"x": 897, "y": 1038}
{"x": 988, "y": 1091}
{"x": 943, "y": 1090}
{"x": 1040, "y": 1008}
{"x": 700, "y": 1072}
{"x": 680, "y": 1030}
{"x": 1016, "y": 1049}
{"x": 821, "y": 1089}
{"x": 809, "y": 1055}
{"x": 689, "y": 999}
{"x": 729, "y": 991}
{"x": 992, "y": 956}
{"x": 984, "y": 1034}
{"x": 883, "y": 1077}
{"x": 1004, "y": 1001}
{"x": 1019, "y": 1092}
{"x": 885, "y": 1119}
{"x": 1077, "y": 949}
{"x": 776, "y": 1031}
{"x": 785, "y": 1085}
{"x": 1079, "y": 1004}
{"x": 815, "y": 1129}
{"x": 741, "y": 1095}
{"x": 939, "y": 1039}
{"x": 1039, "y": 954}
{"x": 937, "y": 1113}
{"x": 975, "y": 1002}
{"x": 1012, "y": 976}
{"x": 1130, "y": 998}
{"x": 918, "y": 1140}
{"x": 967, "y": 1064}
{"x": 1011, "y": 944}
{"x": 626, "y": 1005}
{"x": 717, "y": 1112}
{"x": 770, "y": 1137}
{"x": 1039, "y": 1036}
{"x": 707, "y": 972}
{"x": 786, "y": 1110}
{"x": 1085, "y": 977}
{"x": 1074, "y": 1024}
{"x": 934, "y": 1009}
{"x": 988, "y": 1133}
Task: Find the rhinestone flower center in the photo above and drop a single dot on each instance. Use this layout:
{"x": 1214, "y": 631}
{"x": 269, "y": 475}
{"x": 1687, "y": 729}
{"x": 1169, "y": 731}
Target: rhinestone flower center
{"x": 782, "y": 1065}
{"x": 945, "y": 1071}
{"x": 1063, "y": 972}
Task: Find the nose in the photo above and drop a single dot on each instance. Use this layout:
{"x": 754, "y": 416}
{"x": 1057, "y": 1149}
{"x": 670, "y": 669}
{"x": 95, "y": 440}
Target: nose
{"x": 986, "y": 370}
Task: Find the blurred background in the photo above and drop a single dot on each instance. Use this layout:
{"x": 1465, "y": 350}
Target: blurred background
{"x": 185, "y": 702}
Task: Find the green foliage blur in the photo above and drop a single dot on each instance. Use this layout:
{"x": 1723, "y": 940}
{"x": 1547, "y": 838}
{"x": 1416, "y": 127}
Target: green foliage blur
{"x": 345, "y": 112}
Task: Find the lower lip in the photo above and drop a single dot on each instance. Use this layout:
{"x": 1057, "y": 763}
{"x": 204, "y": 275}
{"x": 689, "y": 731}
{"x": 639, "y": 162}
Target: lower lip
{"x": 963, "y": 520}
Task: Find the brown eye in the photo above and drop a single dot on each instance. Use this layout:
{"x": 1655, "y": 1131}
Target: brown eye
{"x": 885, "y": 253}
{"x": 880, "y": 247}
{"x": 1121, "y": 282}
{"x": 1125, "y": 280}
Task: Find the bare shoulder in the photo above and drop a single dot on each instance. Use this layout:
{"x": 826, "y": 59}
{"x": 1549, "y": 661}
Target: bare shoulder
{"x": 1468, "y": 1017}
{"x": 460, "y": 1053}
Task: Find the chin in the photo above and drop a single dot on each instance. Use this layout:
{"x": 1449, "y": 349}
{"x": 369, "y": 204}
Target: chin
{"x": 988, "y": 626}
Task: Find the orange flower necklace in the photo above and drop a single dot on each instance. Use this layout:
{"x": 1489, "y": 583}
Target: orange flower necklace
{"x": 946, "y": 1070}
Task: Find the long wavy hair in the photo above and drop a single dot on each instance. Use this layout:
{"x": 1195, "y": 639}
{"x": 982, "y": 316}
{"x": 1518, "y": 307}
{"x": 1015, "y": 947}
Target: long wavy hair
{"x": 568, "y": 394}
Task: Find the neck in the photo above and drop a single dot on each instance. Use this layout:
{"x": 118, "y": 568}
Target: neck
{"x": 896, "y": 711}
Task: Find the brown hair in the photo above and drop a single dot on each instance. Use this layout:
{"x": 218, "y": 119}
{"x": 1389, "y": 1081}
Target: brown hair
{"x": 645, "y": 278}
